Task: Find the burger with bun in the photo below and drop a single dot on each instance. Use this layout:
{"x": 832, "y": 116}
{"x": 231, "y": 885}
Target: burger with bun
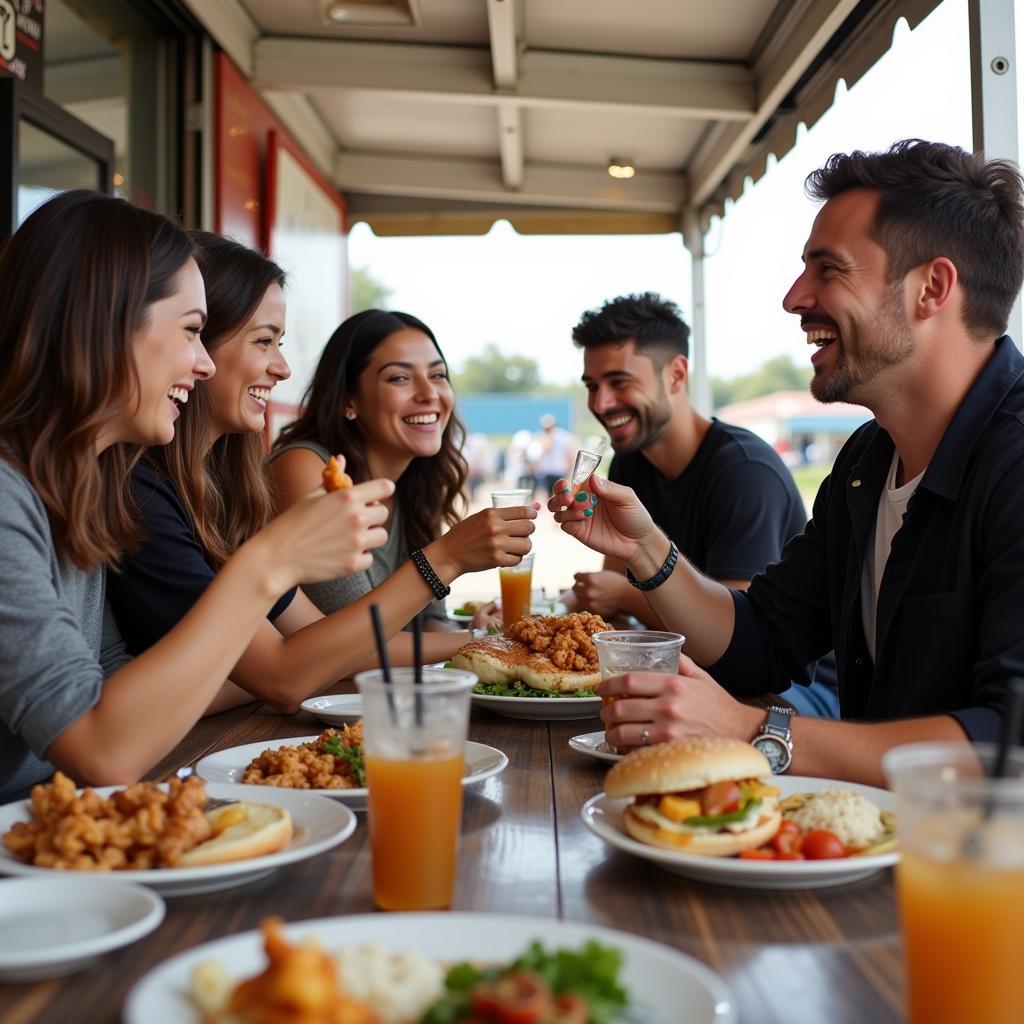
{"x": 701, "y": 796}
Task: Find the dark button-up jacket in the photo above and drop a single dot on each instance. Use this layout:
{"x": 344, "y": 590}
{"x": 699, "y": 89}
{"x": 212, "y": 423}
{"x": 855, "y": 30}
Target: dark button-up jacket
{"x": 950, "y": 622}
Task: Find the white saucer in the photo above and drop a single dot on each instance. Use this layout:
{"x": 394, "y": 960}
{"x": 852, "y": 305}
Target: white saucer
{"x": 335, "y": 708}
{"x": 593, "y": 744}
{"x": 55, "y": 926}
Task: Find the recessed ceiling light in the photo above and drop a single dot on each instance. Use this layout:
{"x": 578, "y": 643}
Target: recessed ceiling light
{"x": 620, "y": 167}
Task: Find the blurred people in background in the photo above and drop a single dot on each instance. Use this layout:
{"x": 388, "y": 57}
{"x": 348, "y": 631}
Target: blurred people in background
{"x": 519, "y": 471}
{"x": 555, "y": 450}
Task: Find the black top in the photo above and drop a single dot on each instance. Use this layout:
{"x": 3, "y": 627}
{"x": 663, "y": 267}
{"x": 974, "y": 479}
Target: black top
{"x": 159, "y": 582}
{"x": 951, "y": 600}
{"x": 730, "y": 511}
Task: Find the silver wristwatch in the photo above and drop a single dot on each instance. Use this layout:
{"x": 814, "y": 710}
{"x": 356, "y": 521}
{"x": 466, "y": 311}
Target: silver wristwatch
{"x": 775, "y": 740}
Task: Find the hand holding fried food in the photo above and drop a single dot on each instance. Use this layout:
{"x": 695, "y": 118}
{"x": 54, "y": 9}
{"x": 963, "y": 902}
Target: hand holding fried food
{"x": 334, "y": 477}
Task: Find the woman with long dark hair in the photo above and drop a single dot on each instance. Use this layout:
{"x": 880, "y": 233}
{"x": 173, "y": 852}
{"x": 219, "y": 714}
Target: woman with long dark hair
{"x": 205, "y": 493}
{"x": 381, "y": 395}
{"x": 101, "y": 312}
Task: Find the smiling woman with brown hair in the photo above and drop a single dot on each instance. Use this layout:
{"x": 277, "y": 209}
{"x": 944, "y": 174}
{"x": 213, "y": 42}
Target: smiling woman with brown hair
{"x": 100, "y": 320}
{"x": 381, "y": 396}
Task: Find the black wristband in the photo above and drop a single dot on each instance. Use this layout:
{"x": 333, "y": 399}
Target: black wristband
{"x": 427, "y": 572}
{"x": 661, "y": 575}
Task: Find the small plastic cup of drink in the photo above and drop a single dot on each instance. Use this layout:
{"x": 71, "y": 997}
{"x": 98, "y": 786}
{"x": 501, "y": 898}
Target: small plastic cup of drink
{"x": 517, "y": 580}
{"x": 960, "y": 881}
{"x": 636, "y": 650}
{"x": 414, "y": 741}
{"x": 515, "y": 590}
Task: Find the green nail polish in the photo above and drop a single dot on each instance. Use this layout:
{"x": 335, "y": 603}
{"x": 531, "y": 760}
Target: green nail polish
{"x": 593, "y": 499}
{"x": 588, "y": 512}
{"x": 566, "y": 491}
{"x": 582, "y": 496}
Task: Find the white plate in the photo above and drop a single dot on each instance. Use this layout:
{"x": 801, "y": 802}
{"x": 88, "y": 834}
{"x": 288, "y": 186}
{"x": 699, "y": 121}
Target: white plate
{"x": 55, "y": 926}
{"x": 459, "y": 617}
{"x": 593, "y": 743}
{"x": 335, "y": 708}
{"x": 603, "y": 816}
{"x": 660, "y": 979}
{"x": 319, "y": 825}
{"x": 544, "y": 708}
{"x": 228, "y": 766}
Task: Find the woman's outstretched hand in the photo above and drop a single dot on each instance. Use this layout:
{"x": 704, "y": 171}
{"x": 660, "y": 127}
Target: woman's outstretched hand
{"x": 488, "y": 539}
{"x": 323, "y": 536}
{"x": 606, "y": 517}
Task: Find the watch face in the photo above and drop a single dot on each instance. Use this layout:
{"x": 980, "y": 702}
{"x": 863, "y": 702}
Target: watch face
{"x": 775, "y": 751}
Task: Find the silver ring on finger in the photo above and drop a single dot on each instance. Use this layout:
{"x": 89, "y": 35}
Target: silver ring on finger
{"x": 645, "y": 737}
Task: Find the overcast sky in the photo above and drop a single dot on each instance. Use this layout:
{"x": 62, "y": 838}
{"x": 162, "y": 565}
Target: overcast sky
{"x": 526, "y": 292}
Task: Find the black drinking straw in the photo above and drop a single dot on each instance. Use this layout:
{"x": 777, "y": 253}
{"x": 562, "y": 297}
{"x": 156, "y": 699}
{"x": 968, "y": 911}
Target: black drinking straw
{"x": 417, "y": 663}
{"x": 1011, "y": 729}
{"x": 382, "y": 655}
{"x": 974, "y": 844}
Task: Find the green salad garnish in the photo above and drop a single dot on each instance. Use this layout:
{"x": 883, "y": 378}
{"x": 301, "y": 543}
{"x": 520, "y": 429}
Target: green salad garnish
{"x": 352, "y": 756}
{"x": 591, "y": 973}
{"x": 520, "y": 689}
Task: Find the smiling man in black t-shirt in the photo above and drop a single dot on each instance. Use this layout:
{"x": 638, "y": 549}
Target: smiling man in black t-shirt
{"x": 720, "y": 492}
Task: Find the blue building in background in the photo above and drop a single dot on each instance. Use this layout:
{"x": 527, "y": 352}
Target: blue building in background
{"x": 505, "y": 412}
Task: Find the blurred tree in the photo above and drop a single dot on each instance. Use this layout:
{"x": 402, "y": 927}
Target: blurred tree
{"x": 367, "y": 291}
{"x": 492, "y": 370}
{"x": 777, "y": 374}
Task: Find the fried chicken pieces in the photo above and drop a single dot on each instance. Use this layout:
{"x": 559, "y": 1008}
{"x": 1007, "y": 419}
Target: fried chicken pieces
{"x": 300, "y": 985}
{"x": 137, "y": 828}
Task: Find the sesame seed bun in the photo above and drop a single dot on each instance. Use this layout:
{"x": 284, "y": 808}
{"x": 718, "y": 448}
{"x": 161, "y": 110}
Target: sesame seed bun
{"x": 683, "y": 765}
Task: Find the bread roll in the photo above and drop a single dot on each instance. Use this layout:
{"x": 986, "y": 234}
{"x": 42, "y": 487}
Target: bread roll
{"x": 241, "y": 831}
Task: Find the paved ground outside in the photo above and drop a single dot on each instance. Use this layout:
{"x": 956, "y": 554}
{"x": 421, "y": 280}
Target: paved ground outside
{"x": 557, "y": 557}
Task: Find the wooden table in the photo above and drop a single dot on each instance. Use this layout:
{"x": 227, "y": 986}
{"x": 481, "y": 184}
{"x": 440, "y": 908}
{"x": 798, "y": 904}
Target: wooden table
{"x": 825, "y": 955}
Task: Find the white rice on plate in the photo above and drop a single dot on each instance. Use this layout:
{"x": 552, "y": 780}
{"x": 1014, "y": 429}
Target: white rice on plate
{"x": 852, "y": 817}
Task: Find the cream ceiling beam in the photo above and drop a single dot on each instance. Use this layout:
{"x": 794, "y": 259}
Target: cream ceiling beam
{"x": 547, "y": 79}
{"x": 306, "y": 124}
{"x": 805, "y": 31}
{"x": 481, "y": 181}
{"x": 501, "y": 17}
{"x": 229, "y": 23}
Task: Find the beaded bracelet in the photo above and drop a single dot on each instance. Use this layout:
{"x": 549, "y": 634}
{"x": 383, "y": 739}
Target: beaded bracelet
{"x": 427, "y": 572}
{"x": 661, "y": 575}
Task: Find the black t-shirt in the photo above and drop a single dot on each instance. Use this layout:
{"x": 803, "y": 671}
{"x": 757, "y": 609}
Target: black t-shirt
{"x": 730, "y": 511}
{"x": 160, "y": 581}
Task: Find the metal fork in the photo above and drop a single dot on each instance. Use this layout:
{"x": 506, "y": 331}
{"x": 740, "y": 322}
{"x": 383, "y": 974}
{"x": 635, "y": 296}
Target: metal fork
{"x": 212, "y": 803}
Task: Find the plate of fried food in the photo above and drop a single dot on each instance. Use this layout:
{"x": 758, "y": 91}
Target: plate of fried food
{"x": 431, "y": 968}
{"x": 709, "y": 809}
{"x": 178, "y": 838}
{"x": 330, "y": 765}
{"x": 542, "y": 667}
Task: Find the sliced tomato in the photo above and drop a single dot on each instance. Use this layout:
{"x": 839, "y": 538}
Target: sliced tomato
{"x": 720, "y": 798}
{"x": 570, "y": 1009}
{"x": 822, "y": 844}
{"x": 520, "y": 997}
{"x": 788, "y": 839}
{"x": 761, "y": 853}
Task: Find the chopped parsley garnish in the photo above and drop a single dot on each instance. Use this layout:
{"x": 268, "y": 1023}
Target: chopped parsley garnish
{"x": 352, "y": 756}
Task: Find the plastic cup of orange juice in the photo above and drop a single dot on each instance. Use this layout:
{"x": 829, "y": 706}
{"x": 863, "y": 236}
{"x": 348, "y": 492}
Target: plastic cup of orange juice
{"x": 517, "y": 580}
{"x": 414, "y": 746}
{"x": 636, "y": 650}
{"x": 960, "y": 881}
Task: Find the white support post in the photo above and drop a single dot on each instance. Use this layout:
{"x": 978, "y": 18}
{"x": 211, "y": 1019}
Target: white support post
{"x": 700, "y": 381}
{"x": 994, "y": 74}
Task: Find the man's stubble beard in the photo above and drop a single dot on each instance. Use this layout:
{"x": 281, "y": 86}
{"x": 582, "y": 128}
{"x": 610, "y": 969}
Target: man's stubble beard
{"x": 893, "y": 345}
{"x": 651, "y": 424}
